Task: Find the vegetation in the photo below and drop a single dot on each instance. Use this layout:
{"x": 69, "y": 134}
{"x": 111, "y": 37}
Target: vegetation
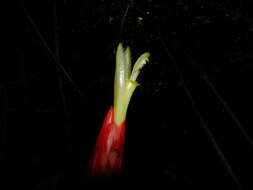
{"x": 190, "y": 126}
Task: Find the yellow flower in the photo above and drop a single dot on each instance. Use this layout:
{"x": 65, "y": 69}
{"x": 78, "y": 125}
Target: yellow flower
{"x": 125, "y": 80}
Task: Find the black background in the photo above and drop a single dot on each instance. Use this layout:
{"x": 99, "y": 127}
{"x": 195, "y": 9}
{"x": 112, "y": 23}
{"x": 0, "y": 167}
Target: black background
{"x": 49, "y": 123}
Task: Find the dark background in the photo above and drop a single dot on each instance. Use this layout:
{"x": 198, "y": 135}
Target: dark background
{"x": 50, "y": 117}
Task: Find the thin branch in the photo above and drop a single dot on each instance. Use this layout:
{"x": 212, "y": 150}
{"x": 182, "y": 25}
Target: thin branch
{"x": 226, "y": 106}
{"x": 60, "y": 79}
{"x": 210, "y": 136}
{"x": 123, "y": 20}
{"x": 58, "y": 65}
{"x": 58, "y": 59}
{"x": 200, "y": 118}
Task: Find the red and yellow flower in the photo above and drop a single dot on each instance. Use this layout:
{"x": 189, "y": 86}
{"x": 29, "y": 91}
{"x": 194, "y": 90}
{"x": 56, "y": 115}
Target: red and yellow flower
{"x": 108, "y": 153}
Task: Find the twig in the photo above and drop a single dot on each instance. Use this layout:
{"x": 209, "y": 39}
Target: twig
{"x": 226, "y": 106}
{"x": 211, "y": 137}
{"x": 58, "y": 59}
{"x": 123, "y": 19}
{"x": 200, "y": 118}
{"x": 60, "y": 80}
{"x": 58, "y": 65}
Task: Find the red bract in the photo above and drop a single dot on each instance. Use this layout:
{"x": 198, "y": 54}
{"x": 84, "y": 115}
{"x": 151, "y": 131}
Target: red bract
{"x": 107, "y": 157}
